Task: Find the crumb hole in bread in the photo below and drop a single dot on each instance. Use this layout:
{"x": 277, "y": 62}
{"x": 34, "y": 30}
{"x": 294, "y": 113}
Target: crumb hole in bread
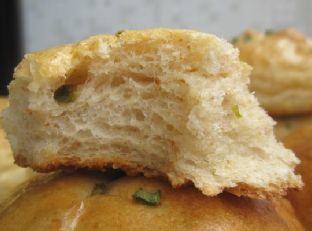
{"x": 117, "y": 81}
{"x": 84, "y": 133}
{"x": 138, "y": 114}
{"x": 127, "y": 93}
{"x": 157, "y": 119}
{"x": 79, "y": 74}
{"x": 144, "y": 80}
{"x": 121, "y": 148}
{"x": 147, "y": 95}
{"x": 170, "y": 127}
{"x": 130, "y": 129}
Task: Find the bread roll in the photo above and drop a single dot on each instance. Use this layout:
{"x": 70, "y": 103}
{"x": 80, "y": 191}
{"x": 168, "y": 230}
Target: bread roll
{"x": 286, "y": 125}
{"x": 162, "y": 102}
{"x": 300, "y": 142}
{"x": 282, "y": 69}
{"x": 69, "y": 203}
{"x": 11, "y": 175}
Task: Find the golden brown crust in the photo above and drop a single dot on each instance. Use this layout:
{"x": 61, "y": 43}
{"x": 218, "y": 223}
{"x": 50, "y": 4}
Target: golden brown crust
{"x": 245, "y": 190}
{"x": 65, "y": 203}
{"x": 133, "y": 169}
{"x": 285, "y": 112}
{"x": 287, "y": 125}
{"x": 96, "y": 164}
{"x": 300, "y": 142}
{"x": 55, "y": 64}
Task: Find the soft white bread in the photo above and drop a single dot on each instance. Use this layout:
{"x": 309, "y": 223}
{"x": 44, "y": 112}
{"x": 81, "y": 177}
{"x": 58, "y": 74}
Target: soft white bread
{"x": 282, "y": 69}
{"x": 161, "y": 102}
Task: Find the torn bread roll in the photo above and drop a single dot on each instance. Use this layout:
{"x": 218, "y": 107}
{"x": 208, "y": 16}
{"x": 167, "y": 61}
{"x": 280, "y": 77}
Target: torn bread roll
{"x": 163, "y": 102}
{"x": 282, "y": 69}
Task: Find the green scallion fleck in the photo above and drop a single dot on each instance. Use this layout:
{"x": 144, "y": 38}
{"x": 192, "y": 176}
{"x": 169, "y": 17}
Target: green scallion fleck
{"x": 118, "y": 33}
{"x": 236, "y": 112}
{"x": 65, "y": 94}
{"x": 149, "y": 198}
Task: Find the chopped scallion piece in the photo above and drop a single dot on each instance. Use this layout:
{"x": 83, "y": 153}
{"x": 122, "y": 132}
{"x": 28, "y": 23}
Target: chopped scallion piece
{"x": 118, "y": 33}
{"x": 149, "y": 198}
{"x": 65, "y": 94}
{"x": 236, "y": 112}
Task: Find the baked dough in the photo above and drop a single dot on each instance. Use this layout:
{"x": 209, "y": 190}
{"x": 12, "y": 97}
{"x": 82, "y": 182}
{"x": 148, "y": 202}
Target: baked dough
{"x": 300, "y": 141}
{"x": 11, "y": 175}
{"x": 67, "y": 203}
{"x": 282, "y": 69}
{"x": 287, "y": 125}
{"x": 163, "y": 102}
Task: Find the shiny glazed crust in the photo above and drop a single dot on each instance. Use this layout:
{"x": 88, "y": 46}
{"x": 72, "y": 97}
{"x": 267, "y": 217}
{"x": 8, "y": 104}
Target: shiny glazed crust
{"x": 66, "y": 203}
{"x": 300, "y": 142}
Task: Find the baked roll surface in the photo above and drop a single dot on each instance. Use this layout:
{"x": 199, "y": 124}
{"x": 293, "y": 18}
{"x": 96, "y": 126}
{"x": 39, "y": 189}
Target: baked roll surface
{"x": 70, "y": 202}
{"x": 299, "y": 141}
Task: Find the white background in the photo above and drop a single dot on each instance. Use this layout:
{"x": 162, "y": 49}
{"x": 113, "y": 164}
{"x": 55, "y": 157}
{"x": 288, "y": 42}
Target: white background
{"x": 50, "y": 22}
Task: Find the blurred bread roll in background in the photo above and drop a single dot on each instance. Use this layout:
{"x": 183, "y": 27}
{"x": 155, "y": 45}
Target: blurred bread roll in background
{"x": 300, "y": 142}
{"x": 163, "y": 102}
{"x": 282, "y": 69}
{"x": 75, "y": 202}
{"x": 286, "y": 125}
{"x": 11, "y": 175}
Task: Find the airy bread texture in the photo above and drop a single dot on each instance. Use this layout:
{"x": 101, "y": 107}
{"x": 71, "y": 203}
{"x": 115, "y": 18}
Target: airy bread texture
{"x": 68, "y": 203}
{"x": 282, "y": 69}
{"x": 162, "y": 102}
